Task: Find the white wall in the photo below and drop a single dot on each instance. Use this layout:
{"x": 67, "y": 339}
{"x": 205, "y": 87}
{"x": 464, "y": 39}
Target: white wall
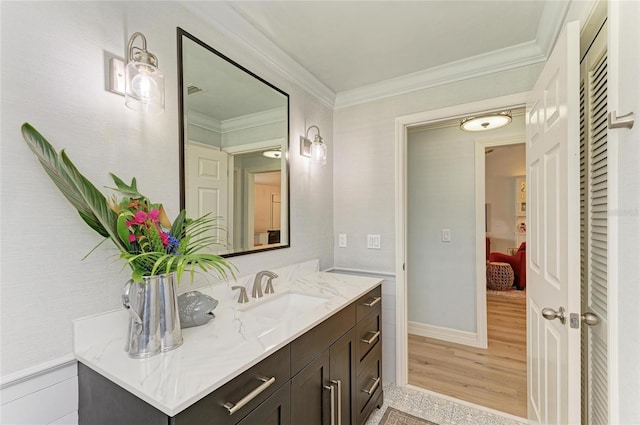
{"x": 53, "y": 76}
{"x": 501, "y": 167}
{"x": 624, "y": 97}
{"x": 441, "y": 187}
{"x": 364, "y": 179}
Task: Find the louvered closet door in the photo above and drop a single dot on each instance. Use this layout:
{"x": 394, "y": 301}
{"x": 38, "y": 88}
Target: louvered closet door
{"x": 593, "y": 220}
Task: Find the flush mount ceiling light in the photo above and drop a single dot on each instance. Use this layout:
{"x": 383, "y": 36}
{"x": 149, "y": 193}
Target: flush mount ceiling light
{"x": 316, "y": 149}
{"x": 144, "y": 83}
{"x": 273, "y": 153}
{"x": 486, "y": 122}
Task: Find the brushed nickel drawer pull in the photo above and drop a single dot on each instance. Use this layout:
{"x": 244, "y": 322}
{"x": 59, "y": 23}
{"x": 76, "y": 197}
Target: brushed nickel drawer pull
{"x": 333, "y": 402}
{"x": 339, "y": 396}
{"x": 373, "y": 387}
{"x": 374, "y": 336}
{"x": 234, "y": 407}
{"x": 373, "y": 302}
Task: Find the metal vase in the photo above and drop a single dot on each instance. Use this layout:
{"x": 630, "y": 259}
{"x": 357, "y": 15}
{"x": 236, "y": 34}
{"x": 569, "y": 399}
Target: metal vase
{"x": 154, "y": 325}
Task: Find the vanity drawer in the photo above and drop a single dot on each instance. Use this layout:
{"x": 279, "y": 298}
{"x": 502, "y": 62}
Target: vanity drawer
{"x": 369, "y": 383}
{"x": 307, "y": 347}
{"x": 368, "y": 302}
{"x": 369, "y": 333}
{"x": 210, "y": 410}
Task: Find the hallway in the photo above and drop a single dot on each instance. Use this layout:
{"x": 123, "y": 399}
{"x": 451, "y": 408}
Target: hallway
{"x": 494, "y": 378}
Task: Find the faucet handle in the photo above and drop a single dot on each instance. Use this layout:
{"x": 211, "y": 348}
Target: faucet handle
{"x": 242, "y": 298}
{"x": 269, "y": 289}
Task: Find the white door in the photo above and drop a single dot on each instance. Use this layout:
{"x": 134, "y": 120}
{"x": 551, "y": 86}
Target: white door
{"x": 207, "y": 187}
{"x": 553, "y": 243}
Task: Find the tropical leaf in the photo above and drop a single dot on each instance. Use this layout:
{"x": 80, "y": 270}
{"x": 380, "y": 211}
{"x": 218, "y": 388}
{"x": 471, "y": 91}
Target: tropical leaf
{"x": 95, "y": 200}
{"x": 127, "y": 189}
{"x": 53, "y": 165}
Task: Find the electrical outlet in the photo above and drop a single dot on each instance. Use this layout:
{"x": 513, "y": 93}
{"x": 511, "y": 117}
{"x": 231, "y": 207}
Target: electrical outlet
{"x": 373, "y": 241}
{"x": 446, "y": 235}
{"x": 342, "y": 240}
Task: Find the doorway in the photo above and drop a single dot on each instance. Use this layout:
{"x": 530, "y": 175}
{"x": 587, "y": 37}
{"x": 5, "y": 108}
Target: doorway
{"x": 446, "y": 349}
{"x": 474, "y": 334}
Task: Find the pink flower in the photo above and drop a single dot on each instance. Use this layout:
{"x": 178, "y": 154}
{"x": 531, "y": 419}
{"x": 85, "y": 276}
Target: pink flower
{"x": 153, "y": 215}
{"x": 165, "y": 239}
{"x": 139, "y": 217}
{"x": 132, "y": 238}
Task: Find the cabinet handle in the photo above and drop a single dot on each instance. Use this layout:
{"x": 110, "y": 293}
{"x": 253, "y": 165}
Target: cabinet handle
{"x": 338, "y": 383}
{"x": 373, "y": 387}
{"x": 373, "y": 302}
{"x": 234, "y": 407}
{"x": 374, "y": 336}
{"x": 333, "y": 403}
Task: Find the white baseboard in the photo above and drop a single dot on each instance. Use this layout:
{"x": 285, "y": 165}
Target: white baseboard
{"x": 42, "y": 396}
{"x": 445, "y": 334}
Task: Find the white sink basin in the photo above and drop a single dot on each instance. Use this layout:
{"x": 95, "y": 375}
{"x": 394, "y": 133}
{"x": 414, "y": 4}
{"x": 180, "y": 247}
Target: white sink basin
{"x": 286, "y": 305}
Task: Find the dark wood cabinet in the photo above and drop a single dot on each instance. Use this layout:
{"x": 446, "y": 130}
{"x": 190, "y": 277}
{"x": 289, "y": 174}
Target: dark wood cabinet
{"x": 310, "y": 400}
{"x": 333, "y": 369}
{"x": 276, "y": 410}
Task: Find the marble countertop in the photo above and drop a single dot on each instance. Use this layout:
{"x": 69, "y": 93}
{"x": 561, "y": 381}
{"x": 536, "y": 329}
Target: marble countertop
{"x": 214, "y": 353}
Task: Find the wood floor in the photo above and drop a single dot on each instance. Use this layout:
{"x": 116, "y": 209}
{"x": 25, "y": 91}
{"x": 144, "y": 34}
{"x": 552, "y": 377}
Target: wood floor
{"x": 494, "y": 378}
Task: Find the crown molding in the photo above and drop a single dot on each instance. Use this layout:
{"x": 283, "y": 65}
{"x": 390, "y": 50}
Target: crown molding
{"x": 224, "y": 18}
{"x": 203, "y": 121}
{"x": 498, "y": 60}
{"x": 254, "y": 120}
{"x": 234, "y": 124}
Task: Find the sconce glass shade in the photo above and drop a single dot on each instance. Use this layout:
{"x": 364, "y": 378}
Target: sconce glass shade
{"x": 144, "y": 83}
{"x": 319, "y": 150}
{"x": 316, "y": 149}
{"x": 486, "y": 122}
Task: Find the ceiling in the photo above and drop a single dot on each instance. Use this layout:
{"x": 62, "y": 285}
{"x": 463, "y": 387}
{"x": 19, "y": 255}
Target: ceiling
{"x": 363, "y": 49}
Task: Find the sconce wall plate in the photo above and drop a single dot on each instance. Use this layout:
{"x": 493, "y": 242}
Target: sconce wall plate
{"x": 305, "y": 146}
{"x": 116, "y": 80}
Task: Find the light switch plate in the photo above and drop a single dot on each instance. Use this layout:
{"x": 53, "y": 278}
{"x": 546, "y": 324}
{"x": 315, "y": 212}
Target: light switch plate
{"x": 373, "y": 241}
{"x": 342, "y": 240}
{"x": 446, "y": 235}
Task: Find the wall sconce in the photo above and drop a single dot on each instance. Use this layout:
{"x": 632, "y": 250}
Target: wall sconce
{"x": 141, "y": 82}
{"x": 486, "y": 122}
{"x": 316, "y": 149}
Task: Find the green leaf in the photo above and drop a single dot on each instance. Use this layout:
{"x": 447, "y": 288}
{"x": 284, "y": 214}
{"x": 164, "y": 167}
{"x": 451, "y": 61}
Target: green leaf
{"x": 55, "y": 168}
{"x": 122, "y": 187}
{"x": 178, "y": 224}
{"x": 94, "y": 200}
{"x": 123, "y": 231}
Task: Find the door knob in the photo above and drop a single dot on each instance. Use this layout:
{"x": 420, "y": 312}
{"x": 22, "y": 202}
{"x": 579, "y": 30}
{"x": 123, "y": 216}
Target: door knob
{"x": 550, "y": 314}
{"x": 590, "y": 319}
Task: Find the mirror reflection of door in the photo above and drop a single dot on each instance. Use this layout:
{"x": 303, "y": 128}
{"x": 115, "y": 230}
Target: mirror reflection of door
{"x": 208, "y": 188}
{"x": 266, "y": 208}
{"x": 258, "y": 188}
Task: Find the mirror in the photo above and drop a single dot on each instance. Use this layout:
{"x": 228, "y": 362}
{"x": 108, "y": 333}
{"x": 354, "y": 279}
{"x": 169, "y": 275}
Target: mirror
{"x": 233, "y": 149}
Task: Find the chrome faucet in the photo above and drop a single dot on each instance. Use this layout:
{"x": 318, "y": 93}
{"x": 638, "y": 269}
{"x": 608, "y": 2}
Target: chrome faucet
{"x": 256, "y": 292}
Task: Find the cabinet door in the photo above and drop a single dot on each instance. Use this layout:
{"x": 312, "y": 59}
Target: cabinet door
{"x": 276, "y": 410}
{"x": 342, "y": 360}
{"x": 310, "y": 401}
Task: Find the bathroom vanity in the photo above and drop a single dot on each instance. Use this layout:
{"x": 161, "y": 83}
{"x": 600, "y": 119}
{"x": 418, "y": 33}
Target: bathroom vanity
{"x": 308, "y": 354}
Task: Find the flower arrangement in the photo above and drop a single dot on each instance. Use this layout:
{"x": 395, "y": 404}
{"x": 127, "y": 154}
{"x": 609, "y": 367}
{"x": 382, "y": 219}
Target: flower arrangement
{"x": 148, "y": 242}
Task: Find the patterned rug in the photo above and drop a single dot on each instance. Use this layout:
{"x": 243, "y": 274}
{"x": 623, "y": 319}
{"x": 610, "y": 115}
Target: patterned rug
{"x": 512, "y": 293}
{"x": 396, "y": 417}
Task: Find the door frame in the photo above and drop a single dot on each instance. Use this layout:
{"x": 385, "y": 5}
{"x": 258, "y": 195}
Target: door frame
{"x": 402, "y": 124}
